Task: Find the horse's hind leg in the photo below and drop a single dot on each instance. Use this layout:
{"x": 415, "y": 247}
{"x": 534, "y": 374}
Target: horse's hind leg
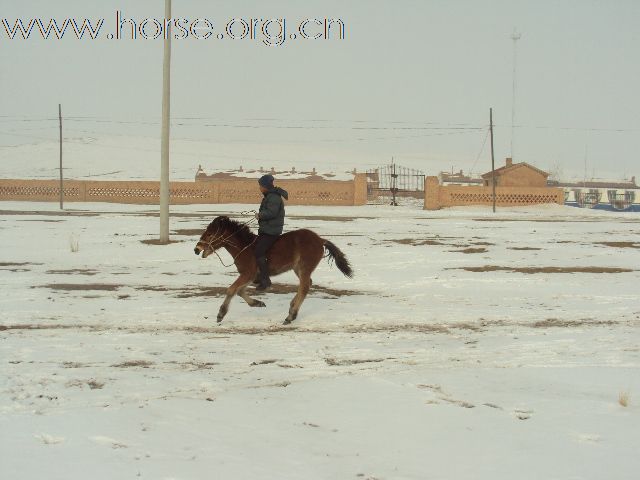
{"x": 303, "y": 289}
{"x": 252, "y": 302}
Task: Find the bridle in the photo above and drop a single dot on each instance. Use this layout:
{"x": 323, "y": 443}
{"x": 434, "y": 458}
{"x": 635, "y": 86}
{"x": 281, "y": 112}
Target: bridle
{"x": 216, "y": 238}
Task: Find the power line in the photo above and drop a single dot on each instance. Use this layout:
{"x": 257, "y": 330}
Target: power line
{"x": 250, "y": 124}
{"x": 484, "y": 142}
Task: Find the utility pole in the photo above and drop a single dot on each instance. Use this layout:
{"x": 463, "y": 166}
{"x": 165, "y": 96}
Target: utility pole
{"x": 586, "y": 152}
{"x": 493, "y": 168}
{"x": 164, "y": 147}
{"x": 61, "y": 180}
{"x": 515, "y": 36}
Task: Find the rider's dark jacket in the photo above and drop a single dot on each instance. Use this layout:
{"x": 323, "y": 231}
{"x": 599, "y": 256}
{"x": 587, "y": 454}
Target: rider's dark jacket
{"x": 271, "y": 213}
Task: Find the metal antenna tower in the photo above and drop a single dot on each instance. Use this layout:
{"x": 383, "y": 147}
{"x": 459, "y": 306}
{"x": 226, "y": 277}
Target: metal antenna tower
{"x": 515, "y": 36}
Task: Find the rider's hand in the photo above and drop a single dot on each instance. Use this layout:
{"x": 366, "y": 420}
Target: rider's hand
{"x": 257, "y": 215}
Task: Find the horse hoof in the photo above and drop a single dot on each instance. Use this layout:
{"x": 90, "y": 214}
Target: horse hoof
{"x": 258, "y": 303}
{"x": 287, "y": 322}
{"x": 219, "y": 319}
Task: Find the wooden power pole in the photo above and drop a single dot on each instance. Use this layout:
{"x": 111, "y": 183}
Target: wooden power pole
{"x": 493, "y": 167}
{"x": 61, "y": 180}
{"x": 164, "y": 144}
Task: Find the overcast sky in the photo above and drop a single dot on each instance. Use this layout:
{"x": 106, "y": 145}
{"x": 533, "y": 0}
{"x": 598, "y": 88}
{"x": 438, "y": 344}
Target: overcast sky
{"x": 411, "y": 79}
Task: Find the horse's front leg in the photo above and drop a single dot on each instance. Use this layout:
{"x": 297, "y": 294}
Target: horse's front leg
{"x": 240, "y": 283}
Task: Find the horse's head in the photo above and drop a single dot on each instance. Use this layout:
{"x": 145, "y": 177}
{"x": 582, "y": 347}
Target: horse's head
{"x": 213, "y": 237}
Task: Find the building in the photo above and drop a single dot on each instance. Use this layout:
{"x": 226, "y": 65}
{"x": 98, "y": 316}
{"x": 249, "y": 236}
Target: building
{"x": 516, "y": 175}
{"x": 602, "y": 195}
{"x": 459, "y": 178}
{"x": 602, "y": 184}
{"x": 515, "y": 185}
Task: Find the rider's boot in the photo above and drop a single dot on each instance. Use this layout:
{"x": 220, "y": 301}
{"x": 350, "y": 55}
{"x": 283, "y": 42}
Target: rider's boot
{"x": 264, "y": 281}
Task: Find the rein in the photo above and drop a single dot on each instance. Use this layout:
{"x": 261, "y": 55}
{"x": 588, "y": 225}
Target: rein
{"x": 225, "y": 239}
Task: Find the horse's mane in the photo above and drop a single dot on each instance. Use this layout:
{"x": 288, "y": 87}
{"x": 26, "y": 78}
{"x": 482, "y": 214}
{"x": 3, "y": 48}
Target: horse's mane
{"x": 240, "y": 231}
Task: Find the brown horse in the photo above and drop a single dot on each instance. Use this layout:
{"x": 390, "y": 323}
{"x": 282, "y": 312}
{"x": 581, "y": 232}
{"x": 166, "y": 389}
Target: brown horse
{"x": 299, "y": 250}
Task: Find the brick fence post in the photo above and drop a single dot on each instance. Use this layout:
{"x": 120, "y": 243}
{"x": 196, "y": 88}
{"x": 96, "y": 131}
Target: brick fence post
{"x": 431, "y": 193}
{"x": 360, "y": 189}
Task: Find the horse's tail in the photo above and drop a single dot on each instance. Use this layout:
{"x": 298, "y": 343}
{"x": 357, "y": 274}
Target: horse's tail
{"x": 334, "y": 253}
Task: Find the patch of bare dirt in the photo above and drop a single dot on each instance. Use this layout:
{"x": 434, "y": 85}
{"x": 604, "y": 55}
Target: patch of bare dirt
{"x": 460, "y": 403}
{"x": 108, "y": 287}
{"x": 52, "y": 213}
{"x": 186, "y": 292}
{"x": 92, "y": 384}
{"x": 287, "y": 289}
{"x": 268, "y": 385}
{"x": 415, "y": 242}
{"x": 43, "y": 220}
{"x": 279, "y": 289}
{"x": 74, "y": 365}
{"x": 134, "y": 363}
{"x": 619, "y": 244}
{"x": 263, "y": 362}
{"x": 407, "y": 327}
{"x": 469, "y": 326}
{"x": 275, "y": 329}
{"x": 348, "y": 362}
{"x": 215, "y": 331}
{"x": 556, "y": 322}
{"x": 53, "y": 326}
{"x": 211, "y": 327}
{"x": 444, "y": 396}
{"x": 74, "y": 271}
{"x": 532, "y": 270}
{"x": 471, "y": 250}
{"x": 17, "y": 264}
{"x": 155, "y": 241}
{"x": 194, "y": 365}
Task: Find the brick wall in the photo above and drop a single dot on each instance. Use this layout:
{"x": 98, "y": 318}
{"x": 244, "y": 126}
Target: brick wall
{"x": 438, "y": 196}
{"x": 301, "y": 192}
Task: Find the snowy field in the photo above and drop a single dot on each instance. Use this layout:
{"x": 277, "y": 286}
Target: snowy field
{"x": 468, "y": 346}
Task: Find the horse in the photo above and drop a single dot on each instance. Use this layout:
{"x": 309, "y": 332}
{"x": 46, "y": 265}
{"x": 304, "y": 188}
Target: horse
{"x": 298, "y": 250}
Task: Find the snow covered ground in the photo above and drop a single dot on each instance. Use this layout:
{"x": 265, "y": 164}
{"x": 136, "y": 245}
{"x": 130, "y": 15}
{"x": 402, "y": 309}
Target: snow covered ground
{"x": 468, "y": 346}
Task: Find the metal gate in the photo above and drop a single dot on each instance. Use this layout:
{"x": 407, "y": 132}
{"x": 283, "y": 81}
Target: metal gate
{"x": 394, "y": 185}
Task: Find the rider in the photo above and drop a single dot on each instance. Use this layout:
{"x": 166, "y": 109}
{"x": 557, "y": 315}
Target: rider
{"x": 270, "y": 223}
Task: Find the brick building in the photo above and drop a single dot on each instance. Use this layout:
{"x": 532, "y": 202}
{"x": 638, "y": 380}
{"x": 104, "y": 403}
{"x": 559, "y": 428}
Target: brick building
{"x": 516, "y": 175}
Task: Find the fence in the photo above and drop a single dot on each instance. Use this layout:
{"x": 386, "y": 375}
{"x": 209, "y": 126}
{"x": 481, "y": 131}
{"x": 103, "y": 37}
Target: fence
{"x": 438, "y": 196}
{"x": 391, "y": 183}
{"x": 301, "y": 192}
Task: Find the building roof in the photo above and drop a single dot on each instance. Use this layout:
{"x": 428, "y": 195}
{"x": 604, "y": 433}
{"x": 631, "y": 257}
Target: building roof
{"x": 510, "y": 168}
{"x": 602, "y": 184}
{"x": 456, "y": 177}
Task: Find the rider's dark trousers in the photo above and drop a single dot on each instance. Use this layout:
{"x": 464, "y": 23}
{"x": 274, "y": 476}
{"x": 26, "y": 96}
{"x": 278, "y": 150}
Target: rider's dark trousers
{"x": 264, "y": 243}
